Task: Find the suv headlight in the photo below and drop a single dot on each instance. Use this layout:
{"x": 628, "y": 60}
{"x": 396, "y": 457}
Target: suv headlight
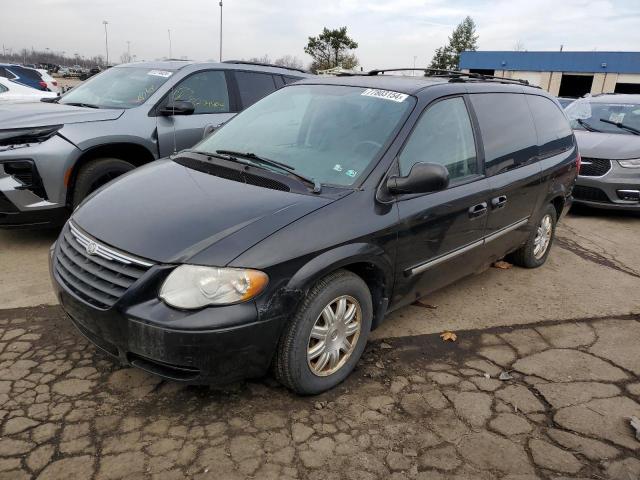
{"x": 193, "y": 286}
{"x": 631, "y": 163}
{"x": 20, "y": 136}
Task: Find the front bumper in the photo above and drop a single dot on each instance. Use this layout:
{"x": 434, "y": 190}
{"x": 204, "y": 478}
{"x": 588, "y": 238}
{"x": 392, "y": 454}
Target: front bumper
{"x": 32, "y": 187}
{"x": 209, "y": 346}
{"x": 605, "y": 191}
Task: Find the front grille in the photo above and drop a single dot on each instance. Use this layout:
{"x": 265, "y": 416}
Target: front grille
{"x": 96, "y": 273}
{"x": 6, "y": 206}
{"x": 590, "y": 194}
{"x": 594, "y": 167}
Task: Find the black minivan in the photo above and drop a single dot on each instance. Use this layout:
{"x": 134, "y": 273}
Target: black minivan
{"x": 285, "y": 237}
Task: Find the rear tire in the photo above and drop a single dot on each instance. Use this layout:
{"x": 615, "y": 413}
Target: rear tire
{"x": 97, "y": 173}
{"x": 314, "y": 354}
{"x": 534, "y": 253}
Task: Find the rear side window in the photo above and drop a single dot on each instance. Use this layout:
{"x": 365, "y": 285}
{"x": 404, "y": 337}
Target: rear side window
{"x": 508, "y": 133}
{"x": 27, "y": 73}
{"x": 253, "y": 86}
{"x": 552, "y": 127}
{"x": 206, "y": 90}
{"x": 443, "y": 135}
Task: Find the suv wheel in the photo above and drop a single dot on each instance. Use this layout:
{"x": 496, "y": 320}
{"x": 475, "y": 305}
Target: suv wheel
{"x": 327, "y": 335}
{"x": 535, "y": 252}
{"x": 97, "y": 173}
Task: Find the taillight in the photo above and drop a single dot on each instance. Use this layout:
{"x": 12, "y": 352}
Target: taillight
{"x": 55, "y": 84}
{"x": 42, "y": 84}
{"x": 578, "y": 163}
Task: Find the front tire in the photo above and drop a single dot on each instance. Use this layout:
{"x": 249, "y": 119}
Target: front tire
{"x": 327, "y": 335}
{"x": 534, "y": 253}
{"x": 97, "y": 173}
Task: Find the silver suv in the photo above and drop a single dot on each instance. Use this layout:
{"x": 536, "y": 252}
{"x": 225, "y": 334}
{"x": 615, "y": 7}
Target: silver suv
{"x": 52, "y": 155}
{"x": 607, "y": 129}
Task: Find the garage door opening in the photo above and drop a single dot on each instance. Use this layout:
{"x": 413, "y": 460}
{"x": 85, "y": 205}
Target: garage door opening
{"x": 482, "y": 71}
{"x": 627, "y": 88}
{"x": 575, "y": 85}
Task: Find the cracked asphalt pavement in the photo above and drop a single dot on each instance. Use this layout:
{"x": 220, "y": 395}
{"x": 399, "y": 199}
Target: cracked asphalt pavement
{"x": 568, "y": 335}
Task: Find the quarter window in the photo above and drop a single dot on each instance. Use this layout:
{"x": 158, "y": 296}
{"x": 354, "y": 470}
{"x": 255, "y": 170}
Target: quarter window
{"x": 254, "y": 86}
{"x": 508, "y": 133}
{"x": 552, "y": 127}
{"x": 3, "y": 88}
{"x": 206, "y": 90}
{"x": 442, "y": 135}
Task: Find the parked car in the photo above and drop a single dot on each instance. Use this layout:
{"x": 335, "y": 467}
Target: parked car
{"x": 52, "y": 83}
{"x": 565, "y": 101}
{"x": 15, "y": 93}
{"x": 23, "y": 76}
{"x": 607, "y": 128}
{"x": 90, "y": 73}
{"x": 120, "y": 119}
{"x": 287, "y": 235}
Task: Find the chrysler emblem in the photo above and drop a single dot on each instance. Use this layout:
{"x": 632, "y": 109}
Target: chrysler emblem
{"x": 91, "y": 248}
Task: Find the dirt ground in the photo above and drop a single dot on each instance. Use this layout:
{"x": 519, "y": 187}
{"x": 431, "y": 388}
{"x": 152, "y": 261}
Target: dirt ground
{"x": 567, "y": 334}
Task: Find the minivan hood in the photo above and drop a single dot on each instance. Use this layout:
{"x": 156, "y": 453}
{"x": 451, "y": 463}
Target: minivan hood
{"x": 168, "y": 213}
{"x": 614, "y": 146}
{"x": 40, "y": 114}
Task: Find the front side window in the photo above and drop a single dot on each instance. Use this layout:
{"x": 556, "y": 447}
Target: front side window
{"x": 442, "y": 135}
{"x": 330, "y": 133}
{"x": 604, "y": 116}
{"x": 118, "y": 87}
{"x": 508, "y": 133}
{"x": 207, "y": 91}
{"x": 254, "y": 86}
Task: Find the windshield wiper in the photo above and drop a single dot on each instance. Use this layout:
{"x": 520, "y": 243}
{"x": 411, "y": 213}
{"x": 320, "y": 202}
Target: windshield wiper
{"x": 587, "y": 126}
{"x": 317, "y": 186}
{"x": 80, "y": 104}
{"x": 50, "y": 99}
{"x": 622, "y": 126}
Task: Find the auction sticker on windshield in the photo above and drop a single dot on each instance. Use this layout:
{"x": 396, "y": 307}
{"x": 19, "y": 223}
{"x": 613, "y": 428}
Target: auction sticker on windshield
{"x": 160, "y": 73}
{"x": 385, "y": 94}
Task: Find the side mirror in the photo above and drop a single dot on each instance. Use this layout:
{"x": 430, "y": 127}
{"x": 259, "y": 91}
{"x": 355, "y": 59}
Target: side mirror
{"x": 177, "y": 107}
{"x": 423, "y": 178}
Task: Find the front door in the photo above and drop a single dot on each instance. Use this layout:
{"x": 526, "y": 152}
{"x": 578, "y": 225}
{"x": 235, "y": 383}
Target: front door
{"x": 440, "y": 234}
{"x": 209, "y": 93}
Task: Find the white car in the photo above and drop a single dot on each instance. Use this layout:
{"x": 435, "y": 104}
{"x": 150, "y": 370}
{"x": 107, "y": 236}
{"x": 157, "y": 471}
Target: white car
{"x": 11, "y": 92}
{"x": 51, "y": 82}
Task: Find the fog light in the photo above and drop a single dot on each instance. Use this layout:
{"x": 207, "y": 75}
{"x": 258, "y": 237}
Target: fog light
{"x": 629, "y": 195}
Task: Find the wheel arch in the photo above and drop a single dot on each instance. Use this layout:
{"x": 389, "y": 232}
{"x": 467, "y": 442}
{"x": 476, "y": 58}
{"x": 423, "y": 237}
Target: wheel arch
{"x": 133, "y": 153}
{"x": 367, "y": 261}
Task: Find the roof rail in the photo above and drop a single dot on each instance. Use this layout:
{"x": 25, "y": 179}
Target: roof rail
{"x": 260, "y": 64}
{"x": 454, "y": 75}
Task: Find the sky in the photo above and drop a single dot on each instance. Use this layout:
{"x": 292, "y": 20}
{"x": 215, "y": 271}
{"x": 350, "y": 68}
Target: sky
{"x": 389, "y": 33}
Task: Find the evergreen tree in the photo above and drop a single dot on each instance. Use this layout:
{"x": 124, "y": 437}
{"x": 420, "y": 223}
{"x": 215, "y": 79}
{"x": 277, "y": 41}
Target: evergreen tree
{"x": 331, "y": 49}
{"x": 462, "y": 39}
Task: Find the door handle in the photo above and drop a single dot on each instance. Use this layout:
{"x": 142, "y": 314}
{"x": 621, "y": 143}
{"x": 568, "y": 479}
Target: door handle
{"x": 499, "y": 202}
{"x": 478, "y": 210}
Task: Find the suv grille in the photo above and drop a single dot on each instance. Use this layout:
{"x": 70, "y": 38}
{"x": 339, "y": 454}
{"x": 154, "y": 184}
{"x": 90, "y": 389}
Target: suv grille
{"x": 97, "y": 274}
{"x": 589, "y": 193}
{"x": 594, "y": 167}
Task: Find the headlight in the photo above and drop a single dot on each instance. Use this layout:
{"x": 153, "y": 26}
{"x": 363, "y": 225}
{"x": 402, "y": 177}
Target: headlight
{"x": 631, "y": 163}
{"x": 20, "y": 136}
{"x": 193, "y": 286}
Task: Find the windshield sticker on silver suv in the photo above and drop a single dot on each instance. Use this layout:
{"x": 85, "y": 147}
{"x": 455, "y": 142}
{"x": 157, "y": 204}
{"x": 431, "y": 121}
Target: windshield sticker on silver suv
{"x": 160, "y": 73}
{"x": 385, "y": 94}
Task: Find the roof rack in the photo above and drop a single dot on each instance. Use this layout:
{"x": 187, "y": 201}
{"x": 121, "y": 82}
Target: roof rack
{"x": 260, "y": 64}
{"x": 454, "y": 75}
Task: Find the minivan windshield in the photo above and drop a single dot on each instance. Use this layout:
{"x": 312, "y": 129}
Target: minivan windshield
{"x": 609, "y": 117}
{"x": 328, "y": 133}
{"x": 118, "y": 87}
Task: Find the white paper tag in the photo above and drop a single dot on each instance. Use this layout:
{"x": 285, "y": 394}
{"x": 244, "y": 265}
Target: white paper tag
{"x": 160, "y": 73}
{"x": 385, "y": 94}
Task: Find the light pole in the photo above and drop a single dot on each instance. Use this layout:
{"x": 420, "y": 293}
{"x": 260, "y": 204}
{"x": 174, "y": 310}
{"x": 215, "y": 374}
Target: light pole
{"x": 106, "y": 40}
{"x": 415, "y": 57}
{"x": 170, "y": 54}
{"x": 220, "y": 30}
{"x": 128, "y": 50}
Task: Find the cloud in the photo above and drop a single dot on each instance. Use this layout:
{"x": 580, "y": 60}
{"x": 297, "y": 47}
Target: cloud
{"x": 390, "y": 33}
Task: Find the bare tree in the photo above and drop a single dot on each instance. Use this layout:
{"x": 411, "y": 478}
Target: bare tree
{"x": 263, "y": 59}
{"x": 289, "y": 61}
{"x": 519, "y": 46}
{"x": 126, "y": 58}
